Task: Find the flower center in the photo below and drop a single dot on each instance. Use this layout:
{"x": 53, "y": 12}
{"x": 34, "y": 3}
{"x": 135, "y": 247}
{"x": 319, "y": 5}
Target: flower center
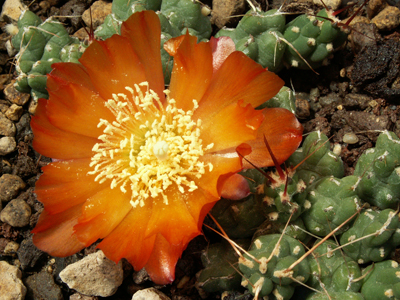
{"x": 148, "y": 147}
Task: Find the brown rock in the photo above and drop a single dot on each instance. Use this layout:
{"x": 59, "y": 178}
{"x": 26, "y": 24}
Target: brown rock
{"x": 14, "y": 112}
{"x": 16, "y": 213}
{"x": 100, "y": 9}
{"x": 387, "y": 19}
{"x": 10, "y": 186}
{"x": 374, "y": 7}
{"x": 223, "y": 10}
{"x": 14, "y": 96}
{"x": 7, "y": 127}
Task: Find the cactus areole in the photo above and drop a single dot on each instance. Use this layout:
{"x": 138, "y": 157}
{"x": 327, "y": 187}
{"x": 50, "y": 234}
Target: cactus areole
{"x": 140, "y": 167}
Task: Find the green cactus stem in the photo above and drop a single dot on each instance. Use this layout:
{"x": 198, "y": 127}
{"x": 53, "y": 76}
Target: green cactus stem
{"x": 382, "y": 235}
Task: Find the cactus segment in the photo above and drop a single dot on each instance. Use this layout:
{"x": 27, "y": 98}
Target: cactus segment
{"x": 41, "y": 44}
{"x": 384, "y": 226}
{"x": 332, "y": 201}
{"x": 321, "y": 163}
{"x": 379, "y": 172}
{"x": 333, "y": 271}
{"x": 268, "y": 275}
{"x": 218, "y": 274}
{"x": 382, "y": 281}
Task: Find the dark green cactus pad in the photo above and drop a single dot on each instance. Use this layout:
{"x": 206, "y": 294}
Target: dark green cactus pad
{"x": 379, "y": 172}
{"x": 384, "y": 225}
{"x": 332, "y": 271}
{"x": 323, "y": 162}
{"x": 382, "y": 281}
{"x": 295, "y": 229}
{"x": 268, "y": 278}
{"x": 332, "y": 201}
{"x": 219, "y": 274}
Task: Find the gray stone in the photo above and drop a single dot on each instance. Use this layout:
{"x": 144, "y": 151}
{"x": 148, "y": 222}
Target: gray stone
{"x": 11, "y": 286}
{"x": 94, "y": 275}
{"x": 7, "y": 145}
{"x": 14, "y": 112}
{"x": 10, "y": 186}
{"x": 150, "y": 294}
{"x": 28, "y": 254}
{"x": 12, "y": 10}
{"x": 7, "y": 127}
{"x": 16, "y": 213}
{"x": 42, "y": 286}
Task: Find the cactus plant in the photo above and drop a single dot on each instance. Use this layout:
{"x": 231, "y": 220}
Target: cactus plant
{"x": 332, "y": 201}
{"x": 320, "y": 160}
{"x": 219, "y": 274}
{"x": 240, "y": 218}
{"x": 40, "y": 44}
{"x": 385, "y": 231}
{"x": 313, "y": 39}
{"x": 305, "y": 42}
{"x": 332, "y": 271}
{"x": 379, "y": 172}
{"x": 381, "y": 281}
{"x": 268, "y": 276}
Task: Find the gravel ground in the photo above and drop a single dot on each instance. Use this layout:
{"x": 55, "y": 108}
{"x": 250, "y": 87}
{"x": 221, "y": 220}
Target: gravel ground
{"x": 349, "y": 100}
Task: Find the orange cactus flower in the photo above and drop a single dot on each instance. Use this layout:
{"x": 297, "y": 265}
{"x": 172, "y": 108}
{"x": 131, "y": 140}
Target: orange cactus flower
{"x": 137, "y": 166}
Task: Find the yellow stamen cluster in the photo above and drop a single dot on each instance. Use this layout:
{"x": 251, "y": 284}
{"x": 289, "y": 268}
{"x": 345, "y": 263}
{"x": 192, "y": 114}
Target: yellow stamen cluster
{"x": 148, "y": 147}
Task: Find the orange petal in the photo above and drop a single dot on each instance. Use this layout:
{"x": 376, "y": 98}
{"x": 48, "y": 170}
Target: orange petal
{"x": 173, "y": 220}
{"x": 127, "y": 239}
{"x": 112, "y": 65}
{"x": 238, "y": 78}
{"x": 163, "y": 259}
{"x": 283, "y": 133}
{"x": 222, "y": 165}
{"x": 100, "y": 215}
{"x": 143, "y": 31}
{"x": 235, "y": 187}
{"x": 231, "y": 126}
{"x": 65, "y": 184}
{"x": 200, "y": 204}
{"x": 68, "y": 73}
{"x": 54, "y": 233}
{"x": 192, "y": 70}
{"x": 55, "y": 143}
{"x": 77, "y": 109}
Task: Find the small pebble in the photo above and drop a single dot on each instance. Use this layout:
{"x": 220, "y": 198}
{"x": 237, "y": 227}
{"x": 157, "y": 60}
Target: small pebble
{"x": 42, "y": 286}
{"x": 7, "y": 145}
{"x": 10, "y": 186}
{"x": 14, "y": 112}
{"x": 11, "y": 248}
{"x": 16, "y": 213}
{"x": 350, "y": 138}
{"x": 7, "y": 127}
{"x": 12, "y": 9}
{"x": 388, "y": 19}
{"x": 11, "y": 284}
{"x": 100, "y": 10}
{"x": 150, "y": 294}
{"x": 94, "y": 275}
{"x": 15, "y": 96}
